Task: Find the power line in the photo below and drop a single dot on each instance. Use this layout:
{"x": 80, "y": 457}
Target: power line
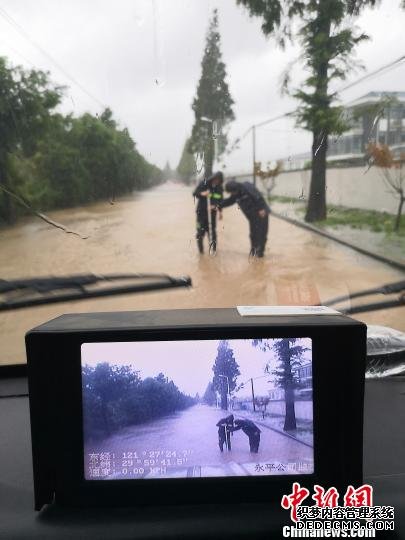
{"x": 21, "y": 30}
{"x": 275, "y": 118}
{"x": 381, "y": 70}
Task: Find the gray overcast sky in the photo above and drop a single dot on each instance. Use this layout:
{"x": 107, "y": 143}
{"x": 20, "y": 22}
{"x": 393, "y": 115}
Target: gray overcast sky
{"x": 187, "y": 363}
{"x": 142, "y": 58}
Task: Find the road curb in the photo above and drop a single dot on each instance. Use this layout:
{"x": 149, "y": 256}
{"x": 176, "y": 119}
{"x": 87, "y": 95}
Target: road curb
{"x": 391, "y": 262}
{"x": 258, "y": 422}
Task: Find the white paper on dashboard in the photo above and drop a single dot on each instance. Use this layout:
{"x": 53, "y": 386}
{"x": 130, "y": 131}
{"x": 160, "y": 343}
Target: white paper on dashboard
{"x": 265, "y": 311}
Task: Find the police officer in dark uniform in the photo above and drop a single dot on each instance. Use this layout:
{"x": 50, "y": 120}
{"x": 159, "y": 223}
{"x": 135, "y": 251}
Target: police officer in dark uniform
{"x": 251, "y": 430}
{"x": 255, "y": 208}
{"x": 208, "y": 190}
{"x": 225, "y": 426}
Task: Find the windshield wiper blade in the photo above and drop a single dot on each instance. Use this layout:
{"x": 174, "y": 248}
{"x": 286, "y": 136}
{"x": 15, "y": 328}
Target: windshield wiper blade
{"x": 76, "y": 284}
{"x": 47, "y": 284}
{"x": 52, "y": 283}
{"x": 389, "y": 288}
{"x": 376, "y": 306}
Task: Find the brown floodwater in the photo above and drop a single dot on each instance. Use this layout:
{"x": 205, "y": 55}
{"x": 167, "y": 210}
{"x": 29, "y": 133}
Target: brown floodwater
{"x": 154, "y": 232}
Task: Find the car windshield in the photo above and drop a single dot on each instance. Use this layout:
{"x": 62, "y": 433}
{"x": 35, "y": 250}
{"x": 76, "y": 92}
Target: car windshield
{"x": 255, "y": 147}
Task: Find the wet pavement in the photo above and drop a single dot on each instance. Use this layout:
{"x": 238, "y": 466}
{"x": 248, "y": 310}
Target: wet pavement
{"x": 154, "y": 232}
{"x": 186, "y": 444}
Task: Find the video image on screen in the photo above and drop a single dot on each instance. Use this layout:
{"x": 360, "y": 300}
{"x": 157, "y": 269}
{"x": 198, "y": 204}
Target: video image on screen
{"x": 203, "y": 408}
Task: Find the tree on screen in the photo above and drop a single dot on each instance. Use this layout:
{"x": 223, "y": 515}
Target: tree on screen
{"x": 226, "y": 370}
{"x": 289, "y": 355}
{"x": 104, "y": 386}
{"x": 115, "y": 397}
{"x": 210, "y": 397}
{"x": 212, "y": 105}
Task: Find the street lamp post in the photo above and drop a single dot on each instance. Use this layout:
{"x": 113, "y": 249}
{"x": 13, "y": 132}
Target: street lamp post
{"x": 253, "y": 130}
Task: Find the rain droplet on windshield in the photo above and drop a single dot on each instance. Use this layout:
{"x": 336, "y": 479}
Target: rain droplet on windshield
{"x": 199, "y": 162}
{"x": 320, "y": 144}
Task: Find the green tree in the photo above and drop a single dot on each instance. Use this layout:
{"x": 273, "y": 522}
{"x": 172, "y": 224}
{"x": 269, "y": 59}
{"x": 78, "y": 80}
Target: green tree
{"x": 51, "y": 160}
{"x": 226, "y": 370}
{"x": 212, "y": 105}
{"x": 167, "y": 172}
{"x": 107, "y": 118}
{"x": 103, "y": 386}
{"x": 26, "y": 101}
{"x": 328, "y": 39}
{"x": 209, "y": 397}
{"x": 115, "y": 397}
{"x": 187, "y": 167}
{"x": 289, "y": 355}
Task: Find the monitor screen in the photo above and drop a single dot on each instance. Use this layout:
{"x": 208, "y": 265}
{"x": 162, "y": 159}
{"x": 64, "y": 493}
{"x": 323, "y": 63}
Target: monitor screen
{"x": 197, "y": 409}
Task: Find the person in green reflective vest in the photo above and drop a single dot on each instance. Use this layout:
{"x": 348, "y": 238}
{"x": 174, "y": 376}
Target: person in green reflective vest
{"x": 225, "y": 426}
{"x": 208, "y": 192}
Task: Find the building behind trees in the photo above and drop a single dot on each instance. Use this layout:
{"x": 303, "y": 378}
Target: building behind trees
{"x": 376, "y": 117}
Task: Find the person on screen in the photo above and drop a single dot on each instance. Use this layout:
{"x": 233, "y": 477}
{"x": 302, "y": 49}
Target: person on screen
{"x": 251, "y": 430}
{"x": 225, "y": 426}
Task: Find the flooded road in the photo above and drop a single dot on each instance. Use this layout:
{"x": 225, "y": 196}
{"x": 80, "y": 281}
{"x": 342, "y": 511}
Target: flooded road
{"x": 154, "y": 232}
{"x": 145, "y": 440}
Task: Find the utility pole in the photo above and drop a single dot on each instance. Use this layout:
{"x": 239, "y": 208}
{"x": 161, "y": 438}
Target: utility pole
{"x": 254, "y": 154}
{"x": 253, "y": 396}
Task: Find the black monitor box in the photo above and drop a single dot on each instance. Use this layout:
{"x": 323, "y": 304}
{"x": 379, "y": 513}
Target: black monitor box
{"x": 193, "y": 406}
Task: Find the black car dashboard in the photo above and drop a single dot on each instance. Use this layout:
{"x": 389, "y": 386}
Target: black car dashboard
{"x": 384, "y": 469}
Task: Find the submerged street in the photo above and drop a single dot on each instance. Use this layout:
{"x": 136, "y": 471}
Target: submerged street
{"x": 186, "y": 444}
{"x": 154, "y": 231}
